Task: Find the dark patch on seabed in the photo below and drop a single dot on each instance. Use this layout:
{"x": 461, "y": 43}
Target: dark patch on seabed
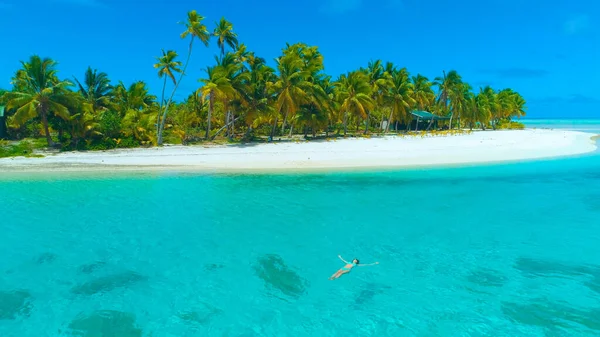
{"x": 593, "y": 202}
{"x": 546, "y": 314}
{"x": 105, "y": 323}
{"x": 46, "y": 258}
{"x": 213, "y": 266}
{"x": 108, "y": 283}
{"x": 201, "y": 315}
{"x": 368, "y": 293}
{"x": 545, "y": 268}
{"x": 91, "y": 267}
{"x": 487, "y": 278}
{"x": 271, "y": 268}
{"x": 14, "y": 303}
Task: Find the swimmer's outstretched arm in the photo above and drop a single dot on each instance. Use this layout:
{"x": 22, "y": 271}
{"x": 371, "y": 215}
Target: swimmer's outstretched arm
{"x": 370, "y": 264}
{"x": 341, "y": 258}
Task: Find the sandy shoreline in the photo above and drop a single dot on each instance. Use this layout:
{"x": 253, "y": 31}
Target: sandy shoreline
{"x": 355, "y": 153}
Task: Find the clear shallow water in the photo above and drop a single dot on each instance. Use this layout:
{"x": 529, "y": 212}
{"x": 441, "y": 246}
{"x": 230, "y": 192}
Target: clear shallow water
{"x": 584, "y": 125}
{"x": 499, "y": 250}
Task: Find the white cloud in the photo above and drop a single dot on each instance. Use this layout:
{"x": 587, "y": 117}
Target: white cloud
{"x": 577, "y": 24}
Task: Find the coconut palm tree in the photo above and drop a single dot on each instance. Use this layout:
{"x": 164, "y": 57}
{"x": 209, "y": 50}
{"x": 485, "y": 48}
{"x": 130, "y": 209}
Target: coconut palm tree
{"x": 196, "y": 30}
{"x": 422, "y": 92}
{"x": 299, "y": 70}
{"x": 38, "y": 93}
{"x": 217, "y": 86}
{"x": 459, "y": 99}
{"x": 136, "y": 97}
{"x": 225, "y": 35}
{"x": 96, "y": 89}
{"x": 446, "y": 84}
{"x": 400, "y": 96}
{"x": 380, "y": 82}
{"x": 167, "y": 68}
{"x": 292, "y": 88}
{"x": 354, "y": 95}
{"x": 257, "y": 97}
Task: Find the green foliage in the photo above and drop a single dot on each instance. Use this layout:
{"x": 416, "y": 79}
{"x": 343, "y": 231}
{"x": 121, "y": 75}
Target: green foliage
{"x": 510, "y": 125}
{"x": 23, "y": 148}
{"x": 110, "y": 124}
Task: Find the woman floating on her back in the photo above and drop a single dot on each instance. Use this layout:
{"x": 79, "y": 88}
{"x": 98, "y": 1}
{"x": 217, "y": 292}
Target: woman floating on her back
{"x": 349, "y": 265}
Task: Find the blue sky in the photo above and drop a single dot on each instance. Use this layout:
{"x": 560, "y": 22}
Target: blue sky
{"x": 547, "y": 50}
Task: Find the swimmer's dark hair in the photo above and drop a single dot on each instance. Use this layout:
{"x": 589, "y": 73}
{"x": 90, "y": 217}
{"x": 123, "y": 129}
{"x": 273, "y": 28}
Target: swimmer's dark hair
{"x": 357, "y": 262}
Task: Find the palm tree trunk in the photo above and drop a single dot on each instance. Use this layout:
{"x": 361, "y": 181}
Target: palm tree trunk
{"x": 211, "y": 102}
{"x": 367, "y": 122}
{"x": 224, "y": 126}
{"x": 283, "y": 124}
{"x": 46, "y": 129}
{"x": 164, "y": 116}
{"x": 451, "y": 115}
{"x": 389, "y": 121}
{"x": 291, "y": 130}
{"x": 345, "y": 123}
{"x": 274, "y": 126}
{"x": 162, "y": 100}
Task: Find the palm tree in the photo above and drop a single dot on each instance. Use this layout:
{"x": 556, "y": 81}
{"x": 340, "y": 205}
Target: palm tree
{"x": 136, "y": 97}
{"x": 291, "y": 87}
{"x": 459, "y": 97}
{"x": 354, "y": 94}
{"x": 96, "y": 89}
{"x": 225, "y": 35}
{"x": 446, "y": 85}
{"x": 216, "y": 87}
{"x": 167, "y": 68}
{"x": 422, "y": 92}
{"x": 38, "y": 92}
{"x": 400, "y": 96}
{"x": 195, "y": 29}
{"x": 257, "y": 98}
{"x": 379, "y": 80}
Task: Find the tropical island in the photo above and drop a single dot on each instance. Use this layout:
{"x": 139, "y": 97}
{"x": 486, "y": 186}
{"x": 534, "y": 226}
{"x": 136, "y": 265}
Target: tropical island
{"x": 243, "y": 100}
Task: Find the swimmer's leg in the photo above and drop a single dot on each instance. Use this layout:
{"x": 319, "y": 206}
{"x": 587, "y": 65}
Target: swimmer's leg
{"x": 338, "y": 274}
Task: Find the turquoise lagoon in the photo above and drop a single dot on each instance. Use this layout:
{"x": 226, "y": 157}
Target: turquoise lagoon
{"x": 491, "y": 250}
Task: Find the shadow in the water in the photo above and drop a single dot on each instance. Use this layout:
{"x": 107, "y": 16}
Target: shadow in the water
{"x": 212, "y": 266}
{"x": 14, "y": 304}
{"x": 368, "y": 293}
{"x": 594, "y": 284}
{"x": 45, "y": 258}
{"x": 91, "y": 267}
{"x": 544, "y": 268}
{"x": 487, "y": 278}
{"x": 108, "y": 283}
{"x": 593, "y": 202}
{"x": 106, "y": 323}
{"x": 271, "y": 268}
{"x": 546, "y": 314}
{"x": 200, "y": 315}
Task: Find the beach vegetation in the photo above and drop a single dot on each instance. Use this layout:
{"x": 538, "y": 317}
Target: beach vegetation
{"x": 241, "y": 97}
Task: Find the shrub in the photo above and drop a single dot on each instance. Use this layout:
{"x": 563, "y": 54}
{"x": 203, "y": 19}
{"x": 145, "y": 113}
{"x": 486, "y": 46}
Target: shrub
{"x": 510, "y": 125}
{"x": 23, "y": 148}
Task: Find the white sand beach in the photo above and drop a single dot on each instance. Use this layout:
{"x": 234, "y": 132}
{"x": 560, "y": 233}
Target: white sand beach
{"x": 352, "y": 153}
